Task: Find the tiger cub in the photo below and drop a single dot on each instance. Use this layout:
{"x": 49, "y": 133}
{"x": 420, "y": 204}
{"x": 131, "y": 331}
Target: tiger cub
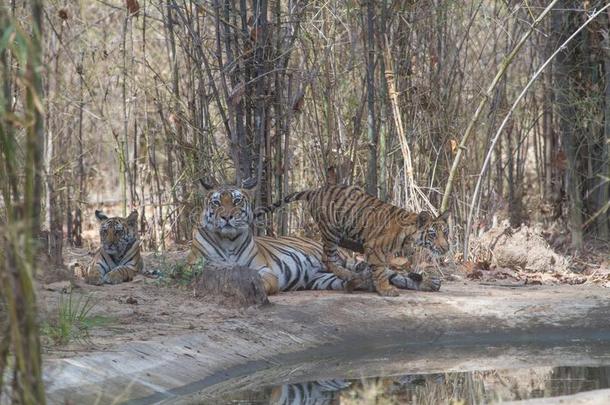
{"x": 118, "y": 258}
{"x": 348, "y": 217}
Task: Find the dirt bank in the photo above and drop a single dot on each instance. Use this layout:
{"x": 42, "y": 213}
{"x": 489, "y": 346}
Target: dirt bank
{"x": 596, "y": 397}
{"x": 170, "y": 345}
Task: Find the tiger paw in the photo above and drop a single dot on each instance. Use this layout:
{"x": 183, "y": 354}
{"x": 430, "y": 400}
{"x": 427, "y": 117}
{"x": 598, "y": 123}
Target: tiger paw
{"x": 359, "y": 282}
{"x": 94, "y": 277}
{"x": 430, "y": 284}
{"x": 113, "y": 277}
{"x": 388, "y": 291}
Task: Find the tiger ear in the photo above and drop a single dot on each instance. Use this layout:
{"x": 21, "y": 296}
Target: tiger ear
{"x": 100, "y": 215}
{"x": 249, "y": 183}
{"x": 444, "y": 216}
{"x": 423, "y": 218}
{"x": 331, "y": 176}
{"x": 132, "y": 219}
{"x": 207, "y": 186}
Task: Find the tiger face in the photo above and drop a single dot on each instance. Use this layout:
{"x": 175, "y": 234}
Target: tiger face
{"x": 117, "y": 234}
{"x": 228, "y": 211}
{"x": 433, "y": 233}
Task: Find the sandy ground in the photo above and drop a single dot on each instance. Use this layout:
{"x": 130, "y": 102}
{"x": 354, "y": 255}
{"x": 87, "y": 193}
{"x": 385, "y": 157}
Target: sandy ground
{"x": 139, "y": 310}
{"x": 162, "y": 343}
{"x": 597, "y": 397}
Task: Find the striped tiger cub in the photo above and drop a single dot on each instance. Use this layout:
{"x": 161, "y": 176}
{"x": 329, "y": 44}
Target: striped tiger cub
{"x": 118, "y": 258}
{"x": 348, "y": 217}
{"x": 224, "y": 234}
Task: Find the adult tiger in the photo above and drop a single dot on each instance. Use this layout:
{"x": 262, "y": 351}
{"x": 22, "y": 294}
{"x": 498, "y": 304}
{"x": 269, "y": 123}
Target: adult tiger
{"x": 224, "y": 234}
{"x": 348, "y": 217}
{"x": 118, "y": 258}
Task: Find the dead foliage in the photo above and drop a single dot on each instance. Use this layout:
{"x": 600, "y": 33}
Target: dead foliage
{"x": 522, "y": 249}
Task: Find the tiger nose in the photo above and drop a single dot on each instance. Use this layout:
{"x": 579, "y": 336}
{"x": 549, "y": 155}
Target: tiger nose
{"x": 444, "y": 244}
{"x": 227, "y": 217}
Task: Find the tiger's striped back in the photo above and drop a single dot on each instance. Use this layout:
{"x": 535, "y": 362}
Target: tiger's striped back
{"x": 352, "y": 216}
{"x": 118, "y": 258}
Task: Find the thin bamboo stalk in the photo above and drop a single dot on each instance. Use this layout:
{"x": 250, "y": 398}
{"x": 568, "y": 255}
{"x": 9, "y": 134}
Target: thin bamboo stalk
{"x": 486, "y": 97}
{"x": 506, "y": 119}
{"x": 22, "y": 224}
{"x": 413, "y": 194}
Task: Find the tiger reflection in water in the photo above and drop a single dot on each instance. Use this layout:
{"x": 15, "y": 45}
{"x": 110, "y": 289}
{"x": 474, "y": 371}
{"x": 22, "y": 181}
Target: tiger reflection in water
{"x": 320, "y": 392}
{"x": 330, "y": 392}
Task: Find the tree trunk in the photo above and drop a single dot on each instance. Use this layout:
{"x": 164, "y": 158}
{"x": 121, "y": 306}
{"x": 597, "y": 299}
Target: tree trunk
{"x": 260, "y": 32}
{"x": 386, "y": 111}
{"x": 53, "y": 210}
{"x": 604, "y": 193}
{"x": 77, "y": 230}
{"x": 565, "y": 22}
{"x": 231, "y": 285}
{"x": 371, "y": 175}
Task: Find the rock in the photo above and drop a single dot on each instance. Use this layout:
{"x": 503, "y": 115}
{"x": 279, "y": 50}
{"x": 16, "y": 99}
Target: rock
{"x": 61, "y": 286}
{"x": 234, "y": 286}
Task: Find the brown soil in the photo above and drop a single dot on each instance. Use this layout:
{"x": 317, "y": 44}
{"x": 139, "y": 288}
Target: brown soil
{"x": 143, "y": 309}
{"x": 151, "y": 307}
{"x": 172, "y": 344}
{"x": 163, "y": 341}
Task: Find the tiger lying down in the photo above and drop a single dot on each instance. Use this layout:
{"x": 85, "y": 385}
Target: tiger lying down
{"x": 348, "y": 217}
{"x": 118, "y": 258}
{"x": 225, "y": 234}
